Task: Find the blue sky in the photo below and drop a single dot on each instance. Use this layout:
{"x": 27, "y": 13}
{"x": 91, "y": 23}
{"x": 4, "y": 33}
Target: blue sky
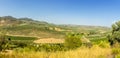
{"x": 80, "y": 12}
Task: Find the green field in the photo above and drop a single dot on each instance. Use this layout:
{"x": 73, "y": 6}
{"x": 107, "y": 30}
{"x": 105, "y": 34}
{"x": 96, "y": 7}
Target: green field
{"x": 21, "y": 38}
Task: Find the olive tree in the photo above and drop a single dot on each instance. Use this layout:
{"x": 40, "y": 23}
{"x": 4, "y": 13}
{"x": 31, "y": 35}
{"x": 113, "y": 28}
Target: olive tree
{"x": 114, "y": 37}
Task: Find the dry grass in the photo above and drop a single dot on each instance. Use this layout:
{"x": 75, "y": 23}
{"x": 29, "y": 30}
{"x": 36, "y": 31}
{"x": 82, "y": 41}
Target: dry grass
{"x": 49, "y": 40}
{"x": 94, "y": 52}
{"x": 83, "y": 52}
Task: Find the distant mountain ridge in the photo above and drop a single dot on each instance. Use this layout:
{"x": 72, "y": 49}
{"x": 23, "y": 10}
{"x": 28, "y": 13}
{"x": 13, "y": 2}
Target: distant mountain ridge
{"x": 30, "y": 27}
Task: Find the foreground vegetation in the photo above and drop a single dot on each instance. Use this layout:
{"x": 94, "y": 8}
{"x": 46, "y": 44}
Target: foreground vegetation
{"x": 72, "y": 48}
{"x": 82, "y": 52}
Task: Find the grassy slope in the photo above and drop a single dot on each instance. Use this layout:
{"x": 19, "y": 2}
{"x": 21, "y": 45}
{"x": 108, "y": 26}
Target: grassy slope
{"x": 29, "y": 27}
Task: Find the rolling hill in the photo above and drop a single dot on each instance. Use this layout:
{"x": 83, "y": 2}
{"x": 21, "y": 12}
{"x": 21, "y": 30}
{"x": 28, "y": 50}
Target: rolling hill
{"x": 29, "y": 27}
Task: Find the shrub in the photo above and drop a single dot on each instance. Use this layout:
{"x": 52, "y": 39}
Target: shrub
{"x": 104, "y": 44}
{"x": 73, "y": 40}
{"x": 3, "y": 41}
{"x": 116, "y": 50}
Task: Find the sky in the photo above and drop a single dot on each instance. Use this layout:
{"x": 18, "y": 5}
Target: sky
{"x": 79, "y": 12}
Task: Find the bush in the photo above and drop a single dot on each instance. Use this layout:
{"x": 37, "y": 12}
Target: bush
{"x": 116, "y": 50}
{"x": 52, "y": 47}
{"x": 3, "y": 42}
{"x": 42, "y": 47}
{"x": 104, "y": 44}
{"x": 73, "y": 41}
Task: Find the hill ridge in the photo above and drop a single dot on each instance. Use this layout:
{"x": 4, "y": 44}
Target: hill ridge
{"x": 30, "y": 27}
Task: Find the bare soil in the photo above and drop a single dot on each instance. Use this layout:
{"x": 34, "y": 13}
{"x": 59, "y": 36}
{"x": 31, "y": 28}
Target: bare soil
{"x": 49, "y": 40}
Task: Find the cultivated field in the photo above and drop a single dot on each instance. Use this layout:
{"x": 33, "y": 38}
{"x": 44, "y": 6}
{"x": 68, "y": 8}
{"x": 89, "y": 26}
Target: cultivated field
{"x": 49, "y": 40}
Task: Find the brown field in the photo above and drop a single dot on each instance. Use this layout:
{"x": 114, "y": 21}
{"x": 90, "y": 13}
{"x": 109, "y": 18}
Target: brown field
{"x": 49, "y": 40}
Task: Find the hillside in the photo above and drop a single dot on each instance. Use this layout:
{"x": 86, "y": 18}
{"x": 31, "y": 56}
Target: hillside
{"x": 41, "y": 29}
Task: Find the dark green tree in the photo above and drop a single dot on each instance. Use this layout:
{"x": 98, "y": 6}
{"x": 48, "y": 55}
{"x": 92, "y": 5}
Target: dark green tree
{"x": 114, "y": 37}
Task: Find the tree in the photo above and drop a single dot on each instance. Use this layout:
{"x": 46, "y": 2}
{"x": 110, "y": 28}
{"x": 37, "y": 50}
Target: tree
{"x": 114, "y": 37}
